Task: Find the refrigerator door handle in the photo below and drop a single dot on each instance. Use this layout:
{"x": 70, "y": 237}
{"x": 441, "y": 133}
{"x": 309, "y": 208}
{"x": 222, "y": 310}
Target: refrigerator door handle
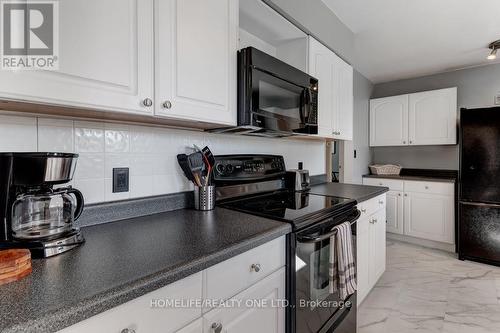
{"x": 484, "y": 204}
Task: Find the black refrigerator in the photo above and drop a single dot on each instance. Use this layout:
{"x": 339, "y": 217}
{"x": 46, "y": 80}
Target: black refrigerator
{"x": 479, "y": 196}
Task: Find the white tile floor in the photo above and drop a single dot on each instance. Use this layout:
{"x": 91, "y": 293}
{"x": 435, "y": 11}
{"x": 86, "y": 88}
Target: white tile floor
{"x": 425, "y": 290}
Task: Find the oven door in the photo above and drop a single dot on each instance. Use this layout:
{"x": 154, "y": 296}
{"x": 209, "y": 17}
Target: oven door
{"x": 316, "y": 309}
{"x": 279, "y": 105}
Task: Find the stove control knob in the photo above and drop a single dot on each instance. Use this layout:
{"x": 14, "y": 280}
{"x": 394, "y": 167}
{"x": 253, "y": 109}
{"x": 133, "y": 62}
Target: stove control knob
{"x": 220, "y": 168}
{"x": 229, "y": 168}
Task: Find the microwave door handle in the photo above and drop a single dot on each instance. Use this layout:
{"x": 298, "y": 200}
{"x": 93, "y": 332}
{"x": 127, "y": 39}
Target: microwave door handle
{"x": 302, "y": 106}
{"x": 306, "y": 105}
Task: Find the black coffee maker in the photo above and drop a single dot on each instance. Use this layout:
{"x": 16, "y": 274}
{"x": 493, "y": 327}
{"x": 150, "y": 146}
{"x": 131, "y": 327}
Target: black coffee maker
{"x": 33, "y": 213}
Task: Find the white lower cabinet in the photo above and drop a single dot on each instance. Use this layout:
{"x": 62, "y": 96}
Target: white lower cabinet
{"x": 140, "y": 316}
{"x": 429, "y": 216}
{"x": 370, "y": 245}
{"x": 261, "y": 275}
{"x": 195, "y": 327}
{"x": 258, "y": 311}
{"x": 395, "y": 212}
{"x": 419, "y": 209}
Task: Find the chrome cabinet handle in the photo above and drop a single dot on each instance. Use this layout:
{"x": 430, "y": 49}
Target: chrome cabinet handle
{"x": 255, "y": 268}
{"x": 427, "y": 187}
{"x": 216, "y": 327}
{"x": 147, "y": 102}
{"x": 406, "y": 194}
{"x": 128, "y": 330}
{"x": 404, "y": 142}
{"x": 167, "y": 104}
{"x": 381, "y": 202}
{"x": 399, "y": 194}
{"x": 411, "y": 142}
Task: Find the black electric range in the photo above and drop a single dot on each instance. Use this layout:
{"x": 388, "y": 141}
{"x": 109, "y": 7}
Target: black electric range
{"x": 301, "y": 209}
{"x": 255, "y": 184}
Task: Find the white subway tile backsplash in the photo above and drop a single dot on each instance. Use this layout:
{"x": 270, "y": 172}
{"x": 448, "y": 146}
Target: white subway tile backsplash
{"x": 92, "y": 189}
{"x": 89, "y": 138}
{"x": 141, "y": 186}
{"x": 141, "y": 164}
{"x": 90, "y": 166}
{"x": 149, "y": 152}
{"x": 115, "y": 160}
{"x": 56, "y": 135}
{"x": 116, "y": 139}
{"x": 18, "y": 134}
{"x": 142, "y": 140}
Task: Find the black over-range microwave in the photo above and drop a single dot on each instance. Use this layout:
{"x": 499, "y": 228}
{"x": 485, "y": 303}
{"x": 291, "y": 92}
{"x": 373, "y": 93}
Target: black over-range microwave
{"x": 274, "y": 98}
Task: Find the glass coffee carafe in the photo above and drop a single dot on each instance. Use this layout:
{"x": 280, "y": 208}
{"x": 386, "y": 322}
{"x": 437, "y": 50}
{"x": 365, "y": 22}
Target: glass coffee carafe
{"x": 45, "y": 213}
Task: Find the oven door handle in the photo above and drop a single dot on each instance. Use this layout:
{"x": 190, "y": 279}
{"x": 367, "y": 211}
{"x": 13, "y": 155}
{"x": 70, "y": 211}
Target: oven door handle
{"x": 308, "y": 240}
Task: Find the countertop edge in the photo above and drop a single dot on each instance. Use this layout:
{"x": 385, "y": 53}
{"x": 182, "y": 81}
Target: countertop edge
{"x": 414, "y": 178}
{"x": 380, "y": 190}
{"x": 62, "y": 318}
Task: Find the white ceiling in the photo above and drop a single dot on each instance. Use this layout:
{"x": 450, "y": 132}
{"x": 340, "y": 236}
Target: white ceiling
{"x": 397, "y": 39}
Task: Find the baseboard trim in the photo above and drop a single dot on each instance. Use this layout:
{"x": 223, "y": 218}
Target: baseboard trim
{"x": 422, "y": 242}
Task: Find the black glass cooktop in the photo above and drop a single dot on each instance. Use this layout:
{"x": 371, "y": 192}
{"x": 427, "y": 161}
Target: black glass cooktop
{"x": 290, "y": 206}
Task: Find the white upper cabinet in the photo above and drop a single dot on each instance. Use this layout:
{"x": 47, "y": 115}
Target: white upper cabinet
{"x": 195, "y": 67}
{"x": 343, "y": 112}
{"x": 433, "y": 117}
{"x": 425, "y": 118}
{"x": 105, "y": 59}
{"x": 389, "y": 121}
{"x": 322, "y": 67}
{"x": 335, "y": 91}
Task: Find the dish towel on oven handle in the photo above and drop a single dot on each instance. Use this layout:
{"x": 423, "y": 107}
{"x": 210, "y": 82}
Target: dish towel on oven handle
{"x": 342, "y": 271}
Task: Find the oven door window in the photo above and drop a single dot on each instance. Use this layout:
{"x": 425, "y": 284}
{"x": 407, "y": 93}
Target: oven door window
{"x": 314, "y": 303}
{"x": 277, "y": 99}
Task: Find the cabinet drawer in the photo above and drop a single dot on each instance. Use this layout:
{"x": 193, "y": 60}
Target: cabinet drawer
{"x": 139, "y": 315}
{"x": 250, "y": 317}
{"x": 371, "y": 206}
{"x": 429, "y": 187}
{"x": 392, "y": 184}
{"x": 229, "y": 277}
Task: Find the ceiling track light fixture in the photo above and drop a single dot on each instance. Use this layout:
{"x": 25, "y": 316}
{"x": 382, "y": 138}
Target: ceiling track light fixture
{"x": 494, "y": 46}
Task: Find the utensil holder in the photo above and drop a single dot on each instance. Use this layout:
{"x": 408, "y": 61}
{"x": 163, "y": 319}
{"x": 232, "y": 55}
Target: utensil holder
{"x": 204, "y": 197}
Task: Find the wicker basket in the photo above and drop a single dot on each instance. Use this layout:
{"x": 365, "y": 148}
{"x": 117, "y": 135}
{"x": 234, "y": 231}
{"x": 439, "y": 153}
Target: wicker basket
{"x": 385, "y": 169}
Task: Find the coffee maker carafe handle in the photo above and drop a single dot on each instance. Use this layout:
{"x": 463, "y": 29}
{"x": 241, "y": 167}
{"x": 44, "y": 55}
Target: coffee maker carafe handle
{"x": 79, "y": 202}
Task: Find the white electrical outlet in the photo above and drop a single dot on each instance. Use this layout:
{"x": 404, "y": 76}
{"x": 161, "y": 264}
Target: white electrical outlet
{"x": 497, "y": 99}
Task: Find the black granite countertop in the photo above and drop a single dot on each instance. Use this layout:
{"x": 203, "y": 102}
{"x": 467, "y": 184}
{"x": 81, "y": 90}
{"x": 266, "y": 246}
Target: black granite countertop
{"x": 430, "y": 175}
{"x": 352, "y": 191}
{"x": 124, "y": 260}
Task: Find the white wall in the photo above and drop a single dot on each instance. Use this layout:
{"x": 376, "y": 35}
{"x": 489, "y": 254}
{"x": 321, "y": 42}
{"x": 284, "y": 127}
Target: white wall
{"x": 149, "y": 152}
{"x": 361, "y": 139}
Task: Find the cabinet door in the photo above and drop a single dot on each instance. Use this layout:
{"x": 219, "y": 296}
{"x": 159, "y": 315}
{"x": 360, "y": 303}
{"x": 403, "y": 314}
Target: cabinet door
{"x": 195, "y": 63}
{"x": 429, "y": 216}
{"x": 194, "y": 327}
{"x": 322, "y": 67}
{"x": 395, "y": 212}
{"x": 433, "y": 117}
{"x": 363, "y": 257}
{"x": 344, "y": 99}
{"x": 257, "y": 317}
{"x": 377, "y": 243}
{"x": 105, "y": 59}
{"x": 389, "y": 121}
{"x": 141, "y": 316}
